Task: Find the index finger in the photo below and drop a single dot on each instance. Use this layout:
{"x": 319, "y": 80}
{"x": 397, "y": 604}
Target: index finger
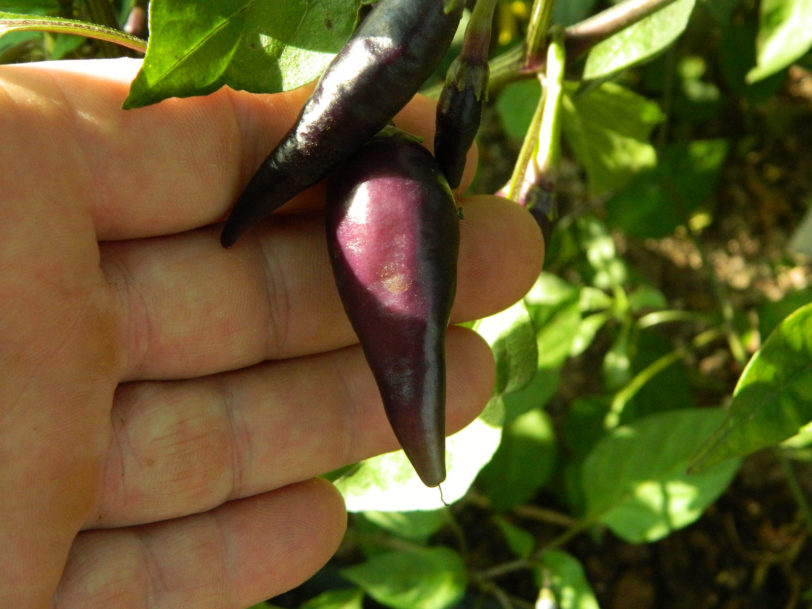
{"x": 157, "y": 170}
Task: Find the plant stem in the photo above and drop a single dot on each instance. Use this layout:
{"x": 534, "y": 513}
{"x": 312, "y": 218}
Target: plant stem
{"x": 520, "y": 182}
{"x": 71, "y": 26}
{"x": 477, "y": 41}
{"x": 584, "y": 35}
{"x": 549, "y": 151}
{"x": 538, "y": 156}
{"x": 527, "y": 563}
{"x": 543, "y": 515}
{"x": 536, "y": 39}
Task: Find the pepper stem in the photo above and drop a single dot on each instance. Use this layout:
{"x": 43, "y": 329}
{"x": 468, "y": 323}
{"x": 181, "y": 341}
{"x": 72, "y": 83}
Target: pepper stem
{"x": 532, "y": 184}
{"x": 477, "y": 42}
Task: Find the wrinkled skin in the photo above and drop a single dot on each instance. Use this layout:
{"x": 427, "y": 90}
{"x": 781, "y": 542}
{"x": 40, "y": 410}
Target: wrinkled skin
{"x": 393, "y": 234}
{"x": 393, "y": 51}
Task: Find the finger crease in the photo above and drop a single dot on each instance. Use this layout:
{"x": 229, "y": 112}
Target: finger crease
{"x": 239, "y": 438}
{"x": 277, "y": 297}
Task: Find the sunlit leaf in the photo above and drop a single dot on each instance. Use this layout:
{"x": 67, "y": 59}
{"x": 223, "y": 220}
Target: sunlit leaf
{"x": 785, "y": 34}
{"x": 773, "y": 398}
{"x": 262, "y": 46}
{"x": 418, "y": 578}
{"x": 553, "y": 306}
{"x": 567, "y": 580}
{"x": 415, "y": 525}
{"x": 512, "y": 338}
{"x": 639, "y": 42}
{"x": 342, "y": 598}
{"x": 635, "y": 479}
{"x": 608, "y": 129}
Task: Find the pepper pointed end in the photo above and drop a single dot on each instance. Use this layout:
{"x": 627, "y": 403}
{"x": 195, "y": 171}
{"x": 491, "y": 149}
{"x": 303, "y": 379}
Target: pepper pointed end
{"x": 426, "y": 453}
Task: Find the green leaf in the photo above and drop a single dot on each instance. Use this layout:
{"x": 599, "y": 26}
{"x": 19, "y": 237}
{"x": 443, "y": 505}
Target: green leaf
{"x": 608, "y": 130}
{"x": 515, "y": 106}
{"x": 264, "y": 46}
{"x": 520, "y": 541}
{"x": 523, "y": 462}
{"x": 639, "y": 42}
{"x": 773, "y": 398}
{"x": 417, "y": 526}
{"x": 609, "y": 270}
{"x": 635, "y": 479}
{"x": 553, "y": 306}
{"x": 568, "y": 582}
{"x": 512, "y": 338}
{"x": 593, "y": 299}
{"x": 661, "y": 380}
{"x": 646, "y": 297}
{"x": 617, "y": 363}
{"x": 419, "y": 578}
{"x": 588, "y": 328}
{"x": 785, "y": 35}
{"x": 388, "y": 483}
{"x": 658, "y": 201}
{"x": 534, "y": 395}
{"x": 345, "y": 598}
{"x": 583, "y": 426}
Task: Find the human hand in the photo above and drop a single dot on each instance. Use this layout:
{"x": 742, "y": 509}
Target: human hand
{"x": 165, "y": 404}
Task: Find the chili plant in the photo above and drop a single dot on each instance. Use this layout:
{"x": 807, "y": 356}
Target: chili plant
{"x": 589, "y": 102}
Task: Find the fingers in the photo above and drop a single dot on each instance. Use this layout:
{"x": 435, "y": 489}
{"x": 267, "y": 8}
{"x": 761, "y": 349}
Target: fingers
{"x": 237, "y": 555}
{"x": 191, "y": 308}
{"x": 185, "y": 447}
{"x": 157, "y": 170}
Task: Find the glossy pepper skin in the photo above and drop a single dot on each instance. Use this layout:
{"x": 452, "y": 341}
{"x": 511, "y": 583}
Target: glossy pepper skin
{"x": 393, "y": 237}
{"x": 396, "y": 47}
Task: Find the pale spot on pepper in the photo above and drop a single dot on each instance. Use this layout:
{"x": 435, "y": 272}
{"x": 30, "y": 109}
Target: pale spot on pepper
{"x": 395, "y": 278}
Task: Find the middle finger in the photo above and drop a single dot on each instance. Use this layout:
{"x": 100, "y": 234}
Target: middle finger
{"x": 190, "y": 308}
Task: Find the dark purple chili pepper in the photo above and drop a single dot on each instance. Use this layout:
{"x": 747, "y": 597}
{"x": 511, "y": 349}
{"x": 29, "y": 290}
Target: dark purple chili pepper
{"x": 396, "y": 47}
{"x": 459, "y": 109}
{"x": 393, "y": 236}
